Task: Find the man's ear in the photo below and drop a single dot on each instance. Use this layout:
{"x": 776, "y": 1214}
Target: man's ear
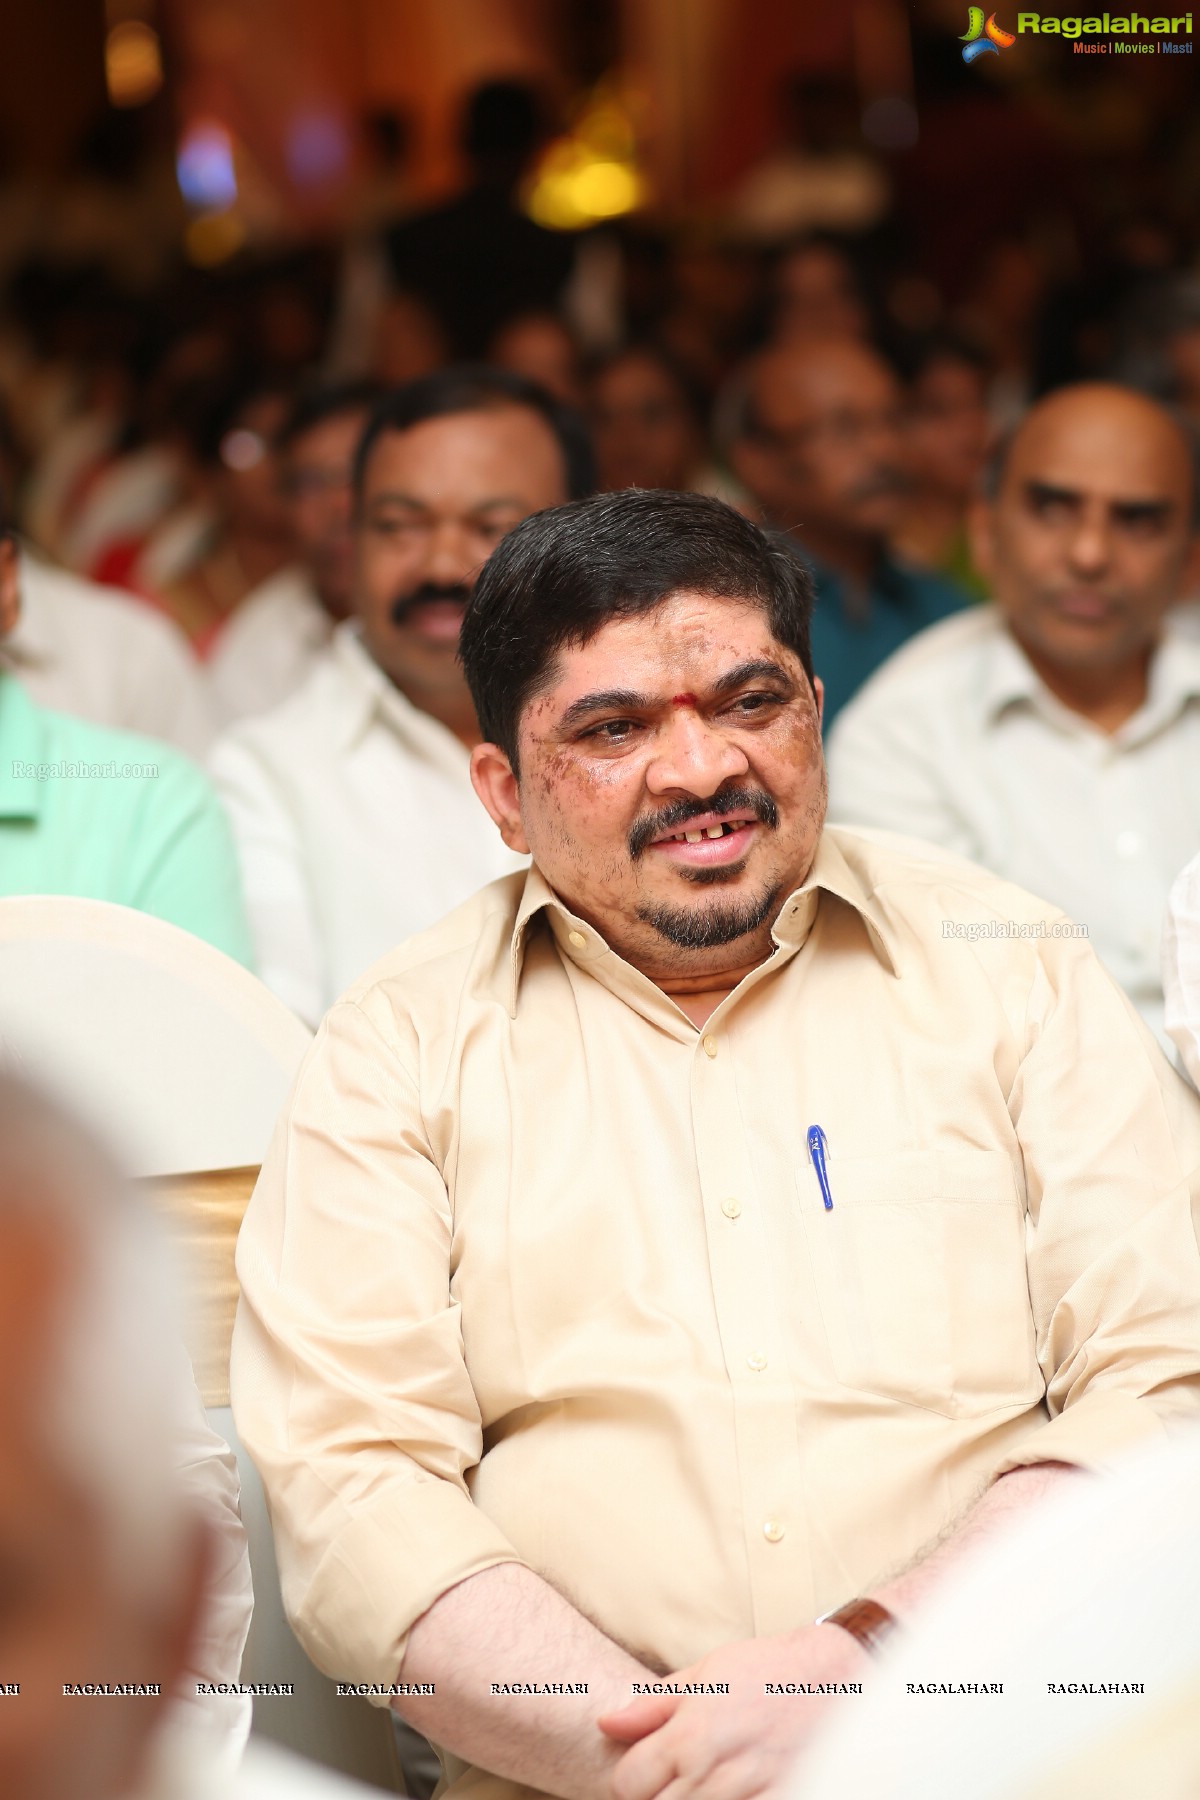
{"x": 10, "y": 587}
{"x": 818, "y": 688}
{"x": 981, "y": 537}
{"x": 493, "y": 780}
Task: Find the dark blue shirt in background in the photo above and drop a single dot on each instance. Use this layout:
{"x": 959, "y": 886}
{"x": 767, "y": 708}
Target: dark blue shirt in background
{"x": 901, "y": 600}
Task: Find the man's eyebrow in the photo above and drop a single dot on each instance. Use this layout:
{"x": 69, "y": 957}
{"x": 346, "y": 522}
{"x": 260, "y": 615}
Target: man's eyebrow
{"x": 1051, "y": 490}
{"x": 1153, "y": 507}
{"x": 759, "y": 668}
{"x": 391, "y": 497}
{"x": 603, "y": 700}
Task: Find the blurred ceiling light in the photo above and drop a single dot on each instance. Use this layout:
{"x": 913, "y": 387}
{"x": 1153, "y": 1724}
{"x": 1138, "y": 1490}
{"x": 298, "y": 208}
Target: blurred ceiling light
{"x": 213, "y": 238}
{"x": 132, "y": 63}
{"x": 204, "y": 166}
{"x": 591, "y": 174}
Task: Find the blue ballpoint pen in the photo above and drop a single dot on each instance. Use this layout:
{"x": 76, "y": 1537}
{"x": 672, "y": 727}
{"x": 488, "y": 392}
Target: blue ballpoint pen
{"x": 818, "y": 1145}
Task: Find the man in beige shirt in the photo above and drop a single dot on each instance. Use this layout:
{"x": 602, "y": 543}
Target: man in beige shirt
{"x": 679, "y": 1240}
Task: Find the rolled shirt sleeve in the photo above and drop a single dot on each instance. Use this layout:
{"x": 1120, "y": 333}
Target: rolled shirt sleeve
{"x": 355, "y": 1399}
{"x": 1111, "y": 1241}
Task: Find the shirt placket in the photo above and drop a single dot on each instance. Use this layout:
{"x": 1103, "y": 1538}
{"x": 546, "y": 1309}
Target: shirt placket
{"x": 753, "y": 1341}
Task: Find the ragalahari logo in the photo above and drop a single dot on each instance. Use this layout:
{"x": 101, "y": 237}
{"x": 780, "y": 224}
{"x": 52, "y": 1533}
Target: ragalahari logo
{"x": 982, "y": 37}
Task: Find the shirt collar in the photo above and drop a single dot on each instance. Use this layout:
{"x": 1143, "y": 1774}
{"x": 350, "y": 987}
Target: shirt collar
{"x": 22, "y": 742}
{"x": 1010, "y": 678}
{"x": 365, "y": 695}
{"x": 831, "y": 875}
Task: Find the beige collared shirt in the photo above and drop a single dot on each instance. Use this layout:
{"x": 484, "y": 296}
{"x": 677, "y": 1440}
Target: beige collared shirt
{"x": 536, "y": 1270}
{"x": 957, "y": 739}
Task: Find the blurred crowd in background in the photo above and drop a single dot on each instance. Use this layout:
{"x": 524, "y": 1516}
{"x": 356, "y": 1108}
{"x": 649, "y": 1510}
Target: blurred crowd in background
{"x": 981, "y": 247}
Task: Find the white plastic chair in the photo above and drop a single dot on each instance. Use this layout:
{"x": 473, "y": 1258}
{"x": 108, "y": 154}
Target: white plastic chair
{"x": 182, "y": 1060}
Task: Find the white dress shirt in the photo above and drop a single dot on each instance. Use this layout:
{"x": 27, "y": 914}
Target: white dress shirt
{"x": 957, "y": 740}
{"x": 269, "y": 647}
{"x": 1181, "y": 967}
{"x": 356, "y": 824}
{"x": 102, "y": 655}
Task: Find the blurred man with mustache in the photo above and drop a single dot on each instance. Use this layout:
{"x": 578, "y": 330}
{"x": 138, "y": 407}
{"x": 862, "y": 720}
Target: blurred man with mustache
{"x": 1055, "y": 736}
{"x": 352, "y": 802}
{"x": 818, "y": 444}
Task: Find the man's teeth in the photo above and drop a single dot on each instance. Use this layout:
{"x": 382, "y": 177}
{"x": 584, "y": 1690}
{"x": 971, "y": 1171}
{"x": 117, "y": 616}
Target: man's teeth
{"x": 712, "y": 831}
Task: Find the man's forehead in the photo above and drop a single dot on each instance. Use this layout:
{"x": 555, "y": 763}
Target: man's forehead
{"x": 510, "y": 445}
{"x": 788, "y": 387}
{"x": 1131, "y": 453}
{"x": 688, "y": 642}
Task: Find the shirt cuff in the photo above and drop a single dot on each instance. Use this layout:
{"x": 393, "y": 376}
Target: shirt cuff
{"x": 386, "y": 1567}
{"x": 1097, "y": 1432}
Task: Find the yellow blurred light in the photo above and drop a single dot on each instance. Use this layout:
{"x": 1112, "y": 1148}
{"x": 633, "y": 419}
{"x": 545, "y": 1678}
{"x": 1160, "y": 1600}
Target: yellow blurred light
{"x": 132, "y": 63}
{"x": 590, "y": 174}
{"x": 213, "y": 238}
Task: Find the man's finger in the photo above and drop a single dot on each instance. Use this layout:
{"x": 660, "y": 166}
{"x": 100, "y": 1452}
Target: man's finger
{"x": 630, "y": 1723}
{"x": 645, "y": 1770}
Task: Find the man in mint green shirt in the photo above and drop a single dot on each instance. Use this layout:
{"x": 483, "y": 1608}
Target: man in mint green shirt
{"x": 109, "y": 816}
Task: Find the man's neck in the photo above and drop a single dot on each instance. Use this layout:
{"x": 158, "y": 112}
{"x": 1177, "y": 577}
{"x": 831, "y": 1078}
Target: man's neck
{"x": 457, "y": 715}
{"x": 1107, "y": 697}
{"x": 700, "y": 995}
{"x": 852, "y": 557}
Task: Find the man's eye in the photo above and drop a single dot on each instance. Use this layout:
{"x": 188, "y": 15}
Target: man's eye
{"x": 611, "y": 731}
{"x": 1052, "y": 506}
{"x": 751, "y": 703}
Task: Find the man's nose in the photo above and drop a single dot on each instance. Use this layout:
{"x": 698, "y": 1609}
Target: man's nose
{"x": 1090, "y": 544}
{"x": 450, "y": 556}
{"x": 695, "y": 756}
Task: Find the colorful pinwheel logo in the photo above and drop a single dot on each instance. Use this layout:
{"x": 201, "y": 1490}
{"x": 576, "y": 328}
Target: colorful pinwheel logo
{"x": 982, "y": 37}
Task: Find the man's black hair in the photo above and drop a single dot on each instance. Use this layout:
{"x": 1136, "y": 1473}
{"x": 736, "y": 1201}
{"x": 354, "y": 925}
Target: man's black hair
{"x": 502, "y": 123}
{"x": 561, "y": 575}
{"x": 316, "y": 401}
{"x": 474, "y": 387}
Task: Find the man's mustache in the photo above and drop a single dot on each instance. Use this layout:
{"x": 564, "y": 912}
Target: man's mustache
{"x": 675, "y": 817}
{"x": 429, "y": 591}
{"x": 882, "y": 481}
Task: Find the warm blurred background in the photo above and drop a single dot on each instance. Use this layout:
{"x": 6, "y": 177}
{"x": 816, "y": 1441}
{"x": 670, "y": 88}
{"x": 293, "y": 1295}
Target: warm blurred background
{"x": 200, "y": 199}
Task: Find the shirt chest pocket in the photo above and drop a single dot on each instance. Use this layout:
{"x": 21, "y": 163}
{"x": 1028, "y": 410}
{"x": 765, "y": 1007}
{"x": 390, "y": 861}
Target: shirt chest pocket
{"x": 920, "y": 1273}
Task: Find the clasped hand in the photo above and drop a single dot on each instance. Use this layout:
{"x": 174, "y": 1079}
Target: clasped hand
{"x": 736, "y": 1745}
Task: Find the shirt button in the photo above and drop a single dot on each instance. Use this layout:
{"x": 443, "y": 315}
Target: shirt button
{"x": 577, "y": 938}
{"x": 772, "y": 1530}
{"x": 1129, "y": 844}
{"x": 732, "y": 1209}
{"x": 757, "y": 1362}
{"x": 710, "y": 1045}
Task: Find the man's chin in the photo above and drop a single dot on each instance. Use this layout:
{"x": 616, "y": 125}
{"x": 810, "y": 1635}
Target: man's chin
{"x": 721, "y": 921}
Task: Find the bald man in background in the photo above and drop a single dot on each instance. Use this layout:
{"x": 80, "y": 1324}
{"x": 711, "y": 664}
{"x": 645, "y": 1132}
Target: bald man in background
{"x": 818, "y": 443}
{"x": 1055, "y": 735}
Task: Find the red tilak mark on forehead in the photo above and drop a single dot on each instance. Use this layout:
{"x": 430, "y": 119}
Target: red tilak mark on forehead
{"x": 683, "y": 699}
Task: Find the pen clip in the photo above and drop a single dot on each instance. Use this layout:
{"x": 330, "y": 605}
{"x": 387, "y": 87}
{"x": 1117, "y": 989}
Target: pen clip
{"x": 818, "y": 1147}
